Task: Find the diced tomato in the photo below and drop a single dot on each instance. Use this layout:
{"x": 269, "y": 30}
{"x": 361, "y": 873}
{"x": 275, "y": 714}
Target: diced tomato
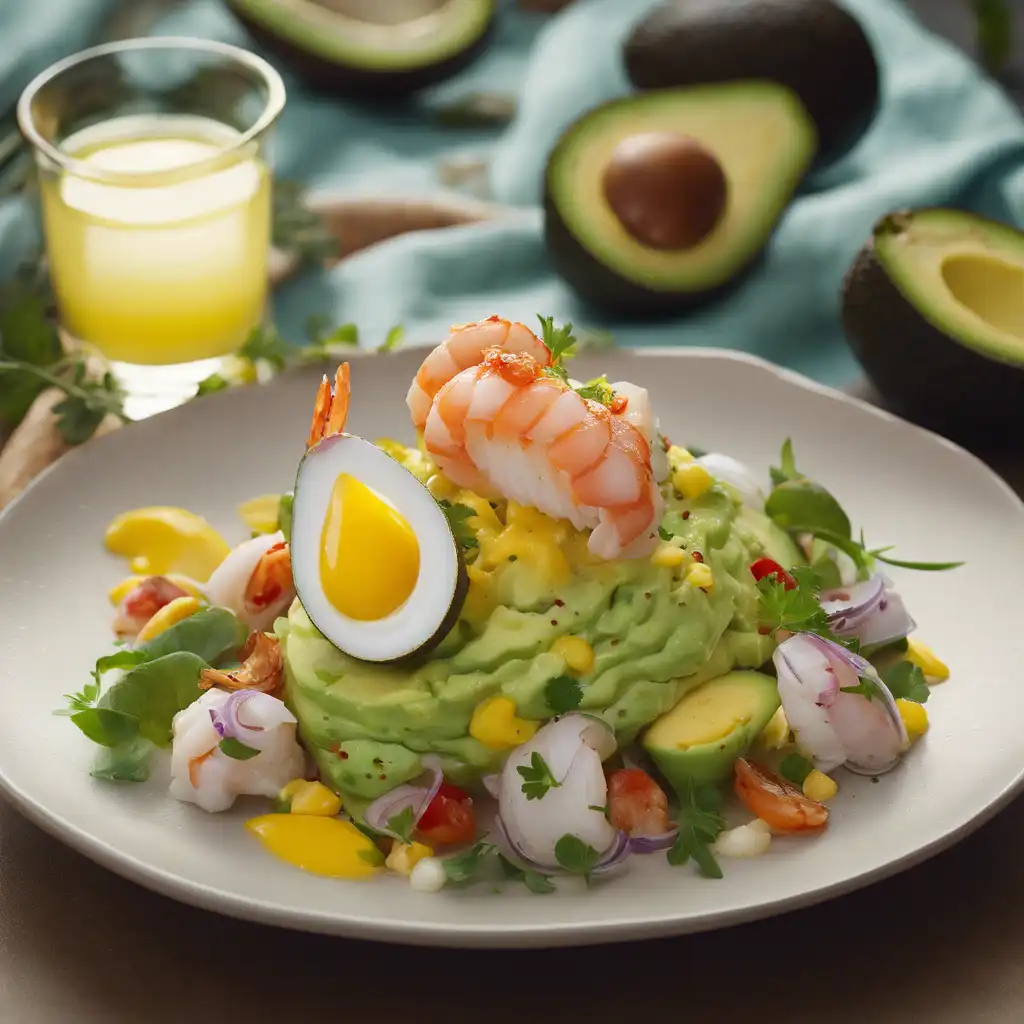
{"x": 769, "y": 567}
{"x": 636, "y": 803}
{"x": 449, "y": 819}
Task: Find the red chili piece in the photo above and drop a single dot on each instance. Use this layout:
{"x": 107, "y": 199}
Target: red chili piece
{"x": 764, "y": 567}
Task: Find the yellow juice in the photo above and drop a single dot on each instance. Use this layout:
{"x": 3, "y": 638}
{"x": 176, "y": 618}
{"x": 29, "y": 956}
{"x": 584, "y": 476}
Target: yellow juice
{"x": 159, "y": 272}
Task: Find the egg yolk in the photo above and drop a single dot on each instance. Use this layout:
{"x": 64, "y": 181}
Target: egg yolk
{"x": 369, "y": 554}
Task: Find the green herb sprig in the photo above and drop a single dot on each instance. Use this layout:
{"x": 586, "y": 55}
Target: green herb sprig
{"x": 537, "y": 778}
{"x": 700, "y": 824}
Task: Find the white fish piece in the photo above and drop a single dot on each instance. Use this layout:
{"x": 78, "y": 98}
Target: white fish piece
{"x": 737, "y": 475}
{"x": 219, "y": 779}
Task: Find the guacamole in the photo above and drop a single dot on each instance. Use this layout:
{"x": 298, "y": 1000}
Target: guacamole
{"x": 654, "y": 635}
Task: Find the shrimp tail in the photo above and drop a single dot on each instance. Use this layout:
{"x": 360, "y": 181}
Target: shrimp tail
{"x": 331, "y": 409}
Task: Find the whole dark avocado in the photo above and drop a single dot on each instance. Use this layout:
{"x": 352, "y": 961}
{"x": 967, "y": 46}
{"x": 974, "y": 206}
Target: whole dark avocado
{"x": 660, "y": 201}
{"x": 815, "y": 47}
{"x": 933, "y": 308}
{"x": 370, "y": 49}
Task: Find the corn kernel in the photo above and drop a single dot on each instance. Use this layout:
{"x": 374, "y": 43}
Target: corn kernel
{"x": 820, "y": 787}
{"x": 119, "y": 591}
{"x": 776, "y": 733}
{"x": 496, "y": 726}
{"x": 577, "y": 654}
{"x": 440, "y": 486}
{"x": 170, "y": 615}
{"x": 924, "y": 658}
{"x": 691, "y": 481}
{"x": 405, "y": 856}
{"x": 915, "y": 718}
{"x": 261, "y": 514}
{"x": 312, "y": 798}
{"x": 678, "y": 456}
{"x": 668, "y": 556}
{"x": 700, "y": 575}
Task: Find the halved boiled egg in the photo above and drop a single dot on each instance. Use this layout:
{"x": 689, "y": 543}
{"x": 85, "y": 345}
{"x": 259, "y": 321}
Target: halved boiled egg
{"x": 375, "y": 563}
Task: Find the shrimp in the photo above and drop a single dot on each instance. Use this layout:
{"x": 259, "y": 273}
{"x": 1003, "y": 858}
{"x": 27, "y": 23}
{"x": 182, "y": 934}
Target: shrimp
{"x": 504, "y": 428}
{"x": 465, "y": 347}
{"x": 262, "y": 667}
{"x": 143, "y": 602}
{"x": 255, "y": 580}
{"x": 777, "y": 802}
{"x": 331, "y": 409}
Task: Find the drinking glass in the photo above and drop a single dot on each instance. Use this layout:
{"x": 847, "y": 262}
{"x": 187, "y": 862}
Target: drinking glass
{"x": 155, "y": 187}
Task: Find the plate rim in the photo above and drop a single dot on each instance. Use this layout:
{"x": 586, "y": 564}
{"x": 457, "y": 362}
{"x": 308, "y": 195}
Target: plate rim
{"x": 493, "y": 935}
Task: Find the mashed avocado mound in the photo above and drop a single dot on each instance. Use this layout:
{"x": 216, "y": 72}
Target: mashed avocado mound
{"x": 655, "y": 634}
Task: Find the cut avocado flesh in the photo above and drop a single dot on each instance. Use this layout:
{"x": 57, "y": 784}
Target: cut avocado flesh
{"x": 764, "y": 142}
{"x": 385, "y": 47}
{"x": 701, "y": 737}
{"x": 934, "y": 310}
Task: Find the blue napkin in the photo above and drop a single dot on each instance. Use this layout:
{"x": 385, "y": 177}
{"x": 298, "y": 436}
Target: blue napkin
{"x": 945, "y": 135}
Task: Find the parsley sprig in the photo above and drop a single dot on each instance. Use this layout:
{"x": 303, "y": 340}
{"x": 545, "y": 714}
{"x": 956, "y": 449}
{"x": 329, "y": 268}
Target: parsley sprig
{"x": 797, "y": 610}
{"x": 458, "y": 516}
{"x": 700, "y": 823}
{"x": 537, "y": 778}
{"x": 563, "y": 344}
{"x": 576, "y": 857}
{"x": 563, "y": 694}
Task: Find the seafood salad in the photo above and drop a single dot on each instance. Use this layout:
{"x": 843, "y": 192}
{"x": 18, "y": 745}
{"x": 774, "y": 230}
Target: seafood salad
{"x": 540, "y": 641}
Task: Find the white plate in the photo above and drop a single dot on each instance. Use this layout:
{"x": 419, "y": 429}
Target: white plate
{"x": 906, "y": 487}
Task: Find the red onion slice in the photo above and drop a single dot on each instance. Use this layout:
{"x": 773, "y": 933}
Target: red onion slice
{"x": 653, "y": 844}
{"x": 871, "y": 611}
{"x": 833, "y": 726}
{"x": 395, "y": 801}
{"x": 611, "y": 860}
{"x": 615, "y": 856}
{"x": 226, "y": 720}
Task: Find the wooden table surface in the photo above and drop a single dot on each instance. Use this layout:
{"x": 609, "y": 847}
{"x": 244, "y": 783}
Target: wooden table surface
{"x": 942, "y": 942}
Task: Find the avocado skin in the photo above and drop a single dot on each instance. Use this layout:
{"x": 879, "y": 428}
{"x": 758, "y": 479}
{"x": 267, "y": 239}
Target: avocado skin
{"x": 815, "y": 47}
{"x": 359, "y": 83}
{"x": 920, "y": 372}
{"x": 603, "y": 288}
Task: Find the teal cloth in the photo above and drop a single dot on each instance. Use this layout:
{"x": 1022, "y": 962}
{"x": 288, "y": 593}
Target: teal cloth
{"x": 945, "y": 135}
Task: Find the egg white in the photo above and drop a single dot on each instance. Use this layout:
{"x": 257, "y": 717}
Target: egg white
{"x": 438, "y": 586}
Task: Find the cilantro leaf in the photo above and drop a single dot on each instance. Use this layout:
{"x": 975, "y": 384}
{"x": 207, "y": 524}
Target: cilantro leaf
{"x": 458, "y": 516}
{"x": 700, "y": 823}
{"x": 665, "y": 534}
{"x": 575, "y": 856}
{"x": 905, "y": 679}
{"x": 563, "y": 694}
{"x": 797, "y": 610}
{"x": 598, "y": 390}
{"x": 560, "y": 341}
{"x": 403, "y": 824}
{"x": 465, "y": 866}
{"x": 392, "y": 339}
{"x": 533, "y": 880}
{"x": 537, "y": 778}
{"x": 866, "y": 687}
{"x": 796, "y": 768}
{"x": 237, "y": 750}
{"x": 557, "y": 371}
{"x": 212, "y": 384}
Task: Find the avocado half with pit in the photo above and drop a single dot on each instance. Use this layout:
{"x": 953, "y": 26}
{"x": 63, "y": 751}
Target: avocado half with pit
{"x": 658, "y": 202}
{"x": 815, "y": 47}
{"x": 370, "y": 49}
{"x": 933, "y": 308}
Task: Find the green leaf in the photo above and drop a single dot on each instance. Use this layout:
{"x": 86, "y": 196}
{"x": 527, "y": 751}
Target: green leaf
{"x": 866, "y": 687}
{"x": 210, "y": 634}
{"x": 665, "y": 534}
{"x": 264, "y": 343}
{"x": 787, "y": 470}
{"x": 127, "y": 762}
{"x": 123, "y": 659}
{"x": 905, "y": 679}
{"x": 107, "y": 727}
{"x": 575, "y": 856}
{"x": 403, "y": 824}
{"x": 297, "y": 228}
{"x": 154, "y": 692}
{"x": 921, "y": 566}
{"x": 372, "y": 856}
{"x": 237, "y": 750}
{"x": 560, "y": 341}
{"x": 533, "y": 880}
{"x": 597, "y": 390}
{"x": 537, "y": 777}
{"x": 464, "y": 867}
{"x": 796, "y": 768}
{"x": 284, "y": 515}
{"x": 797, "y": 610}
{"x": 563, "y": 694}
{"x": 211, "y": 385}
{"x": 557, "y": 371}
{"x": 700, "y": 823}
{"x": 803, "y": 506}
{"x": 994, "y": 32}
{"x": 344, "y": 335}
{"x": 29, "y": 336}
{"x": 392, "y": 339}
{"x": 458, "y": 516}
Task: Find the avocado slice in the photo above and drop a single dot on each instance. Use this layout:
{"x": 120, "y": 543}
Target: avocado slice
{"x": 370, "y": 49}
{"x": 815, "y": 47}
{"x": 630, "y": 184}
{"x": 933, "y": 307}
{"x": 701, "y": 737}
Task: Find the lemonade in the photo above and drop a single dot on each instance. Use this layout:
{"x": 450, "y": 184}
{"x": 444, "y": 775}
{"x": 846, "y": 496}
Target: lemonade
{"x": 159, "y": 268}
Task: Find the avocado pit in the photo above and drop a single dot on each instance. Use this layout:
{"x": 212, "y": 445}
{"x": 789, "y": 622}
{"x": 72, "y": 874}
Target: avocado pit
{"x": 668, "y": 190}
